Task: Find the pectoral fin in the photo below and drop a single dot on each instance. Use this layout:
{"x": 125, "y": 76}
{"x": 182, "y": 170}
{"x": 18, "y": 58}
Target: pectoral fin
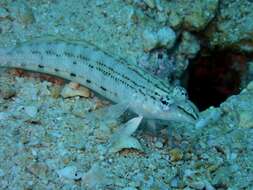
{"x": 123, "y": 139}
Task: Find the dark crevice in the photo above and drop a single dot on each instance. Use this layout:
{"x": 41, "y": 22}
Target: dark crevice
{"x": 214, "y": 76}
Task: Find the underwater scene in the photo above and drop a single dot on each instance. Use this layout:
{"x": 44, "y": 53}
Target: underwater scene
{"x": 126, "y": 95}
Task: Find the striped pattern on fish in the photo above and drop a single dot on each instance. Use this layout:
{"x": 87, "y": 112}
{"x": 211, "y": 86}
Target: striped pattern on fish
{"x": 115, "y": 79}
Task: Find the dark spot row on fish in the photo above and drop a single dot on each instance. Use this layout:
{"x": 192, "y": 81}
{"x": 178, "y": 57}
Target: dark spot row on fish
{"x": 51, "y": 52}
{"x": 82, "y": 57}
{"x": 160, "y": 85}
{"x": 125, "y": 79}
{"x": 72, "y": 75}
{"x": 103, "y": 88}
{"x": 56, "y": 70}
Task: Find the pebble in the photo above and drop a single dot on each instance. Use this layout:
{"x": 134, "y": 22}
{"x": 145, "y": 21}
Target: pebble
{"x": 198, "y": 185}
{"x": 5, "y": 26}
{"x": 129, "y": 188}
{"x": 189, "y": 173}
{"x": 56, "y": 91}
{"x": 176, "y": 154}
{"x": 74, "y": 89}
{"x": 7, "y": 92}
{"x": 22, "y": 12}
{"x": 99, "y": 3}
{"x": 3, "y": 116}
{"x": 69, "y": 172}
{"x": 158, "y": 144}
{"x": 1, "y": 173}
{"x": 3, "y": 13}
{"x": 150, "y": 3}
{"x": 175, "y": 20}
{"x": 174, "y": 182}
{"x": 31, "y": 111}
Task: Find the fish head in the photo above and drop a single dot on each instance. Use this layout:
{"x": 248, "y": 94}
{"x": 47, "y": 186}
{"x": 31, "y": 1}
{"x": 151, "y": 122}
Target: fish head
{"x": 179, "y": 111}
{"x": 170, "y": 107}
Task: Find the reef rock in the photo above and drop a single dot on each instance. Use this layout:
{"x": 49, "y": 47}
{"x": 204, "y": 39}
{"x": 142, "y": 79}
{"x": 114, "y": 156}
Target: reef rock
{"x": 193, "y": 15}
{"x": 233, "y": 27}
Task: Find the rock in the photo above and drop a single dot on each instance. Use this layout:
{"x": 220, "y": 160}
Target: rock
{"x": 164, "y": 37}
{"x": 187, "y": 49}
{"x": 158, "y": 63}
{"x": 150, "y": 40}
{"x": 233, "y": 26}
{"x": 198, "y": 13}
{"x": 209, "y": 116}
{"x": 250, "y": 86}
{"x": 247, "y": 77}
{"x": 189, "y": 46}
{"x": 191, "y": 15}
{"x": 246, "y": 119}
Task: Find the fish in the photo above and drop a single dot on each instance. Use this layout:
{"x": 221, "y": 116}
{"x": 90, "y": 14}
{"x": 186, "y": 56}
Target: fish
{"x": 114, "y": 78}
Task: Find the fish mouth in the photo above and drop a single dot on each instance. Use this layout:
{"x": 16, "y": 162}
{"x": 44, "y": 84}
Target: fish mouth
{"x": 190, "y": 110}
{"x": 186, "y": 116}
{"x": 187, "y": 112}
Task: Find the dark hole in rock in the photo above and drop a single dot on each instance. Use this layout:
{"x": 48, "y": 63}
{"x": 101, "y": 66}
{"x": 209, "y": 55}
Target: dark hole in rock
{"x": 214, "y": 76}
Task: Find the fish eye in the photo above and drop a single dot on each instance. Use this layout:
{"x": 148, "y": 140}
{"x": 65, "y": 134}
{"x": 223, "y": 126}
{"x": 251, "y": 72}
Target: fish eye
{"x": 165, "y": 103}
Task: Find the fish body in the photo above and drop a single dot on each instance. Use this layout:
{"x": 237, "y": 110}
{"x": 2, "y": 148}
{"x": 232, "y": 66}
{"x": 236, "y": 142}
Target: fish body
{"x": 115, "y": 79}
